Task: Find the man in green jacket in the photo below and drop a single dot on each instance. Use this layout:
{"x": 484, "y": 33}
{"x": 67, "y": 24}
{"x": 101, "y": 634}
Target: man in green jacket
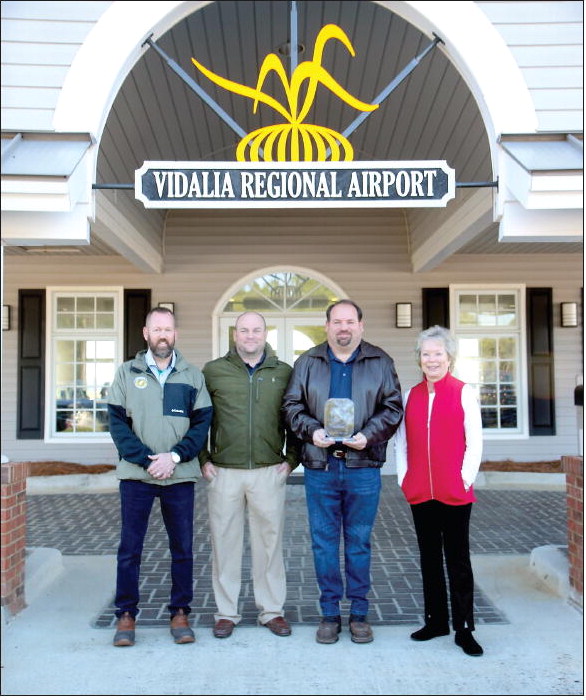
{"x": 247, "y": 469}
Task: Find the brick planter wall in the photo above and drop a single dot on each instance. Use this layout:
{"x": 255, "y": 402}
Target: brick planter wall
{"x": 13, "y": 519}
{"x": 574, "y": 470}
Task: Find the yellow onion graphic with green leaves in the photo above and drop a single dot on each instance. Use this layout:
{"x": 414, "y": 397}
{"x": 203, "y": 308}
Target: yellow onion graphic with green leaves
{"x": 294, "y": 140}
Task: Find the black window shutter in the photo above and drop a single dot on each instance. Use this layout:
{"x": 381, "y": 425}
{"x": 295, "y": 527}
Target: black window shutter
{"x": 137, "y": 304}
{"x": 31, "y": 365}
{"x": 436, "y": 306}
{"x": 540, "y": 361}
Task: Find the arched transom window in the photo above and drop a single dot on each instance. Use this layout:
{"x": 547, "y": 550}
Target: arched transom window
{"x": 293, "y": 303}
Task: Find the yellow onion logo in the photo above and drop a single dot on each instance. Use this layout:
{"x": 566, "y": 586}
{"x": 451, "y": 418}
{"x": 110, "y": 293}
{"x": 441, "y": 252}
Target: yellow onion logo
{"x": 294, "y": 140}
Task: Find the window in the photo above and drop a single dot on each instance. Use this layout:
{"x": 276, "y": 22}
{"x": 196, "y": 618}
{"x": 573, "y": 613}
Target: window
{"x": 293, "y": 304}
{"x": 488, "y": 326}
{"x": 84, "y": 353}
{"x": 284, "y": 292}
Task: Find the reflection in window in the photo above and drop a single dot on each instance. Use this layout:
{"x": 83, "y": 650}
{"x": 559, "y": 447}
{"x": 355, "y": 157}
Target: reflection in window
{"x": 83, "y": 371}
{"x": 489, "y": 354}
{"x": 494, "y": 380}
{"x": 84, "y": 362}
{"x": 306, "y": 337}
{"x": 487, "y": 310}
{"x": 86, "y": 311}
{"x": 282, "y": 292}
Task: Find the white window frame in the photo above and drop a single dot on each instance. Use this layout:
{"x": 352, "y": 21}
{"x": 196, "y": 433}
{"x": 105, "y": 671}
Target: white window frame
{"x": 218, "y": 342}
{"x": 522, "y": 430}
{"x": 284, "y": 327}
{"x": 52, "y": 332}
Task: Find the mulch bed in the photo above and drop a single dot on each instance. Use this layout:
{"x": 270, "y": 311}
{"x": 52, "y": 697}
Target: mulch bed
{"x": 553, "y": 467}
{"x": 57, "y": 468}
{"x": 64, "y": 468}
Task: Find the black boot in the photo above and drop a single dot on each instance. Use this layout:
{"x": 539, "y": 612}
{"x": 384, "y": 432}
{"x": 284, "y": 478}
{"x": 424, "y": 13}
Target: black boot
{"x": 469, "y": 645}
{"x": 429, "y": 632}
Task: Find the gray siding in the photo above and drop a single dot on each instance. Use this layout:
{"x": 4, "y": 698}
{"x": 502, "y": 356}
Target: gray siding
{"x": 39, "y": 42}
{"x": 40, "y": 39}
{"x": 547, "y": 41}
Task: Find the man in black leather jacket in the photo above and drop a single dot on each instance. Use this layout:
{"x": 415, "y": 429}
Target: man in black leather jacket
{"x": 342, "y": 479}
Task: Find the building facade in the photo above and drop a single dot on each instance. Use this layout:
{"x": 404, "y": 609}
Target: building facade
{"x": 93, "y": 90}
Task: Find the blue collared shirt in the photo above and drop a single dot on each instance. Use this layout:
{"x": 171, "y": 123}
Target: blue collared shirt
{"x": 160, "y": 374}
{"x": 341, "y": 375}
{"x": 252, "y": 368}
{"x": 340, "y": 385}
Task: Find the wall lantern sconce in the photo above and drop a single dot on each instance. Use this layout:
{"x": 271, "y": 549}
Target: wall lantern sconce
{"x": 170, "y": 305}
{"x": 403, "y": 315}
{"x": 5, "y": 318}
{"x": 569, "y": 314}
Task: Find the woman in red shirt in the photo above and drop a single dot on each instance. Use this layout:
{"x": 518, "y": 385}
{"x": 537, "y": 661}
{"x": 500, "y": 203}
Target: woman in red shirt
{"x": 439, "y": 448}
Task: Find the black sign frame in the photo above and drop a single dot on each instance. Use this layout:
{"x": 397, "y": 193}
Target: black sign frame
{"x": 220, "y": 185}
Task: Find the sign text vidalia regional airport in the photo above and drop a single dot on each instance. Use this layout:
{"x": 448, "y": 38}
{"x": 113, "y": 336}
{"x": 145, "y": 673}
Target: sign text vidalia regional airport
{"x": 192, "y": 185}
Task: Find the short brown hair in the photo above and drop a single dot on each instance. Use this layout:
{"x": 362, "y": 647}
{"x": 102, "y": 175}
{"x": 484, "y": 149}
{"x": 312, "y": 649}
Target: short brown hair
{"x": 158, "y": 310}
{"x": 344, "y": 301}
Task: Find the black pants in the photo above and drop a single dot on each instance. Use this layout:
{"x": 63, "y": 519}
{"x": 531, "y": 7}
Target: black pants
{"x": 443, "y": 530}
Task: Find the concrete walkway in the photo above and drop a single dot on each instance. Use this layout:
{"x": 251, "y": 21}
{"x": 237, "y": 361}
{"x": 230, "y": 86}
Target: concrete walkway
{"x": 53, "y": 648}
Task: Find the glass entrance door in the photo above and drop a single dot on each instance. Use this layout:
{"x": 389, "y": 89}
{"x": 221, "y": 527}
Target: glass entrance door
{"x": 289, "y": 337}
{"x": 301, "y": 334}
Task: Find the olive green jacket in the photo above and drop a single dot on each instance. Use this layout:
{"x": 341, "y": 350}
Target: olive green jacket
{"x": 247, "y": 428}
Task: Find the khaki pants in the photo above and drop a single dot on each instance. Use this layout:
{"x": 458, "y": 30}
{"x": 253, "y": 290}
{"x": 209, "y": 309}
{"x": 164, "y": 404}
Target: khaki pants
{"x": 230, "y": 494}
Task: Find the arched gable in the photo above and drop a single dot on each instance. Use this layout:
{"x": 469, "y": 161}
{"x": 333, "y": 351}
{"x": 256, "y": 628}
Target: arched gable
{"x": 482, "y": 58}
{"x": 471, "y": 41}
{"x": 110, "y": 51}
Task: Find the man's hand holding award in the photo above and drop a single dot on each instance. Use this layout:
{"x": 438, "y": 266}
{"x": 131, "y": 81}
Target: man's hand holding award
{"x": 339, "y": 426}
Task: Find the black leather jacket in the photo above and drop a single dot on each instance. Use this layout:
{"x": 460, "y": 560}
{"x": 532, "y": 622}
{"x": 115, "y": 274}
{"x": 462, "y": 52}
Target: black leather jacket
{"x": 376, "y": 392}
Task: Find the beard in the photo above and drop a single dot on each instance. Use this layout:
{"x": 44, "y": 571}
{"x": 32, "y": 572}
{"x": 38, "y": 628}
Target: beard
{"x": 162, "y": 349}
{"x": 343, "y": 340}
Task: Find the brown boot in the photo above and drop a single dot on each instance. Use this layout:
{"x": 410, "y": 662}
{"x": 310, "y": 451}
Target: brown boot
{"x": 360, "y": 632}
{"x": 180, "y": 629}
{"x": 329, "y": 630}
{"x": 124, "y": 636}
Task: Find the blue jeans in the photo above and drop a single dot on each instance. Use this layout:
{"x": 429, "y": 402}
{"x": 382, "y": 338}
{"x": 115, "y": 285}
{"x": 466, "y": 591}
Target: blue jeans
{"x": 177, "y": 509}
{"x": 342, "y": 500}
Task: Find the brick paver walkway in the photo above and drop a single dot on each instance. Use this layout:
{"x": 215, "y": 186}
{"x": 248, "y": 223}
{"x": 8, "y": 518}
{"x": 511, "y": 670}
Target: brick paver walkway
{"x": 503, "y": 522}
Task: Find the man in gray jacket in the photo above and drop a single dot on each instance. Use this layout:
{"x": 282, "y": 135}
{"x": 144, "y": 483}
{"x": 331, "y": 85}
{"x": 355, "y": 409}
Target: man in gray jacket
{"x": 160, "y": 413}
{"x": 342, "y": 478}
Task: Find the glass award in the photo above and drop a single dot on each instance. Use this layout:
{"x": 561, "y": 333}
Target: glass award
{"x": 339, "y": 419}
